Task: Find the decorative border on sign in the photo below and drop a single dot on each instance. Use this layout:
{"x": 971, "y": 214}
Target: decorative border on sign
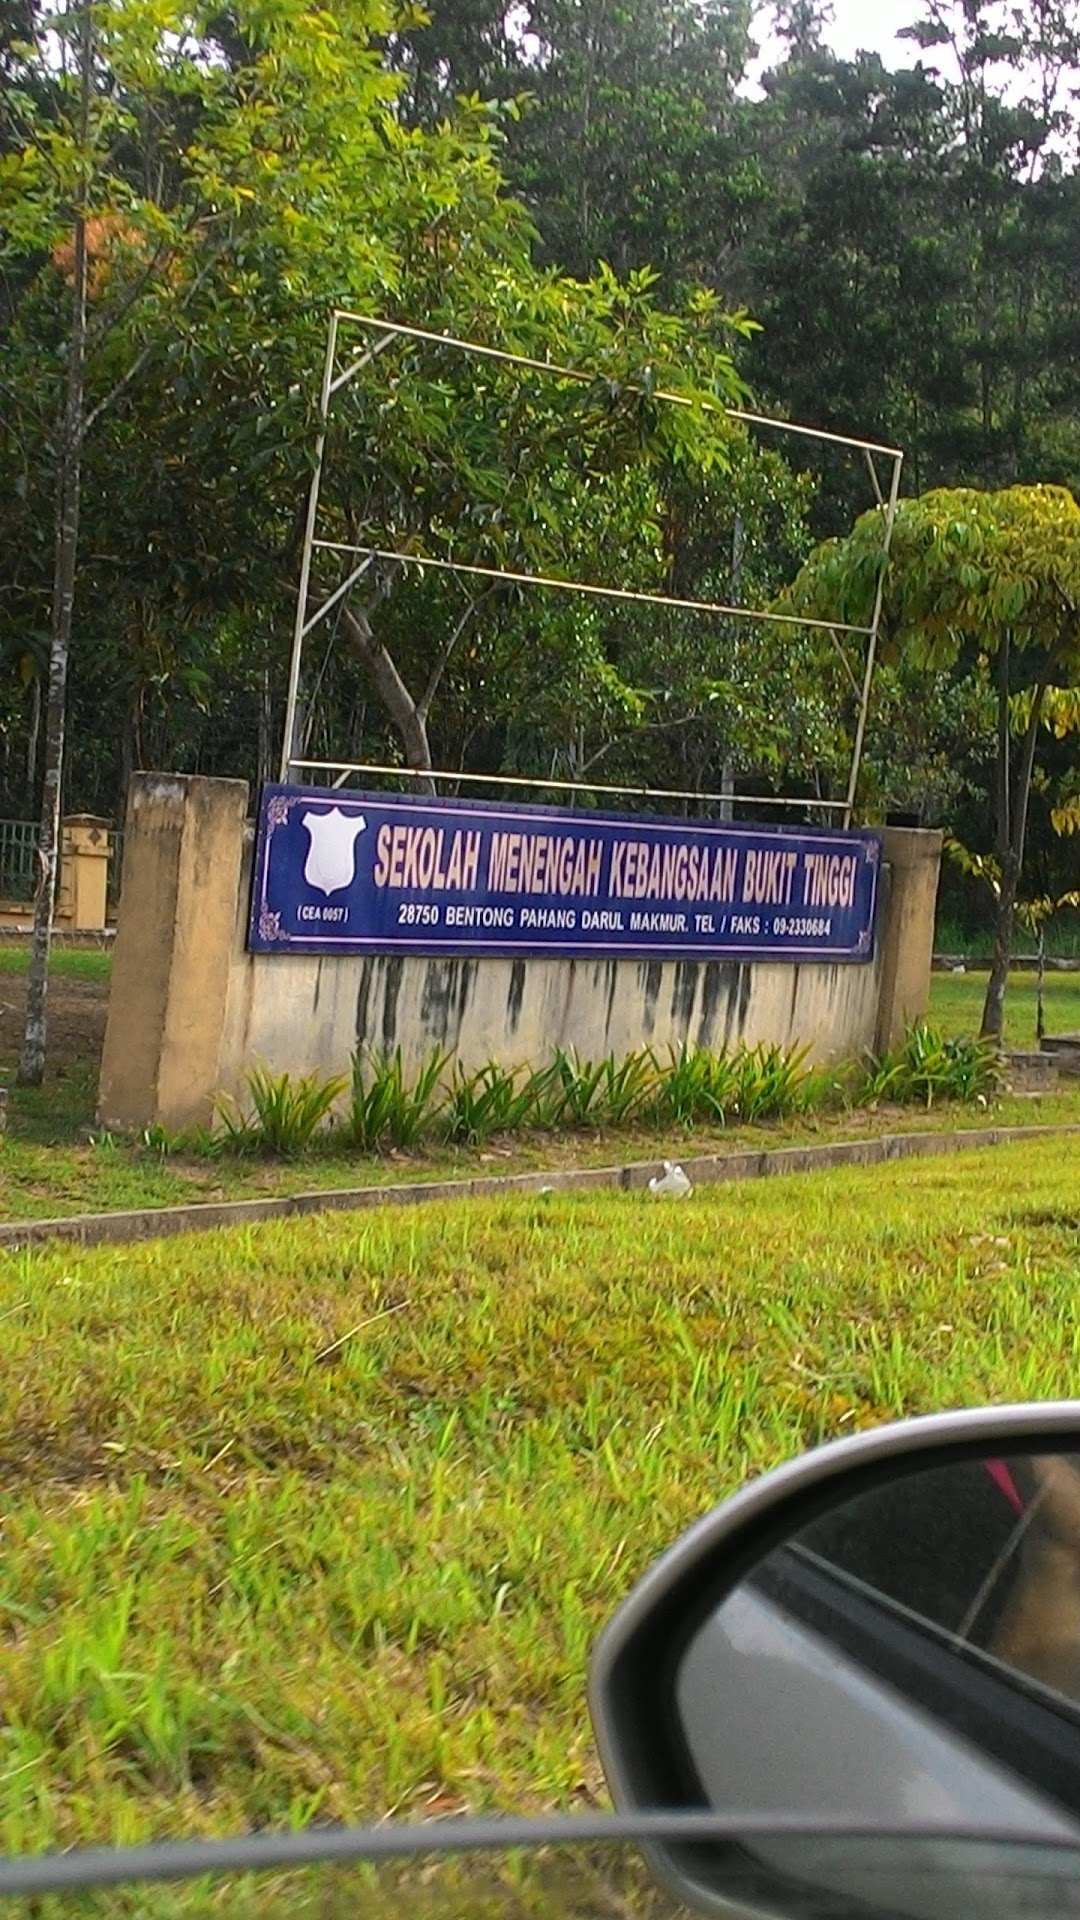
{"x": 265, "y": 922}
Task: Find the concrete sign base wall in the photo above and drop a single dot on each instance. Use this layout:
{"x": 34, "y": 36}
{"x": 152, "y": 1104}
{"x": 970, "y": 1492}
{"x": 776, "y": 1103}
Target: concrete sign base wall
{"x": 191, "y": 1010}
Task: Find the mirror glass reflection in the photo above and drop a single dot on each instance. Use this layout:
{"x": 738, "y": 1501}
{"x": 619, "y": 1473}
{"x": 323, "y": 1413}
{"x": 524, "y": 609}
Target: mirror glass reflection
{"x": 910, "y": 1652}
{"x": 983, "y": 1554}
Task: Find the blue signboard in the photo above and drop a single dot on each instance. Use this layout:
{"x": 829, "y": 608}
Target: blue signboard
{"x": 361, "y": 873}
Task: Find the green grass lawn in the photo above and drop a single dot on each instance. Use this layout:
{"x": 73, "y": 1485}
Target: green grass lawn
{"x": 44, "y": 1178}
{"x": 319, "y": 1519}
{"x": 49, "y": 1165}
{"x": 956, "y": 1003}
{"x": 66, "y": 963}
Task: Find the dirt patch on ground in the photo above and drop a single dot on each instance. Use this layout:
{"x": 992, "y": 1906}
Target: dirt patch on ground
{"x": 77, "y": 1011}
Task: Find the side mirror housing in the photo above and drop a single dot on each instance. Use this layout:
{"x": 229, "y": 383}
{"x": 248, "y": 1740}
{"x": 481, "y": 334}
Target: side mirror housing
{"x": 886, "y": 1630}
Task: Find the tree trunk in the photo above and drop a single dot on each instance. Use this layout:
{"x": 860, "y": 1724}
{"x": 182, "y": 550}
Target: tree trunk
{"x": 129, "y": 757}
{"x": 32, "y": 1061}
{"x": 394, "y": 694}
{"x": 1012, "y": 831}
{"x": 266, "y": 727}
{"x": 993, "y": 1017}
{"x": 34, "y": 736}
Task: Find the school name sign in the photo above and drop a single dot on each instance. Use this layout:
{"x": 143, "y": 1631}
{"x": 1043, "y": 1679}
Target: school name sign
{"x": 357, "y": 873}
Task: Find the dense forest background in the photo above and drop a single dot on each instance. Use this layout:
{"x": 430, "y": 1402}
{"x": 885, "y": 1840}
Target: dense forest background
{"x": 589, "y": 172}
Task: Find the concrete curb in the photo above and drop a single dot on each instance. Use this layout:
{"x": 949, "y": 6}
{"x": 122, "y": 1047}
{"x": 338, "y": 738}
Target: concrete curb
{"x": 118, "y": 1229}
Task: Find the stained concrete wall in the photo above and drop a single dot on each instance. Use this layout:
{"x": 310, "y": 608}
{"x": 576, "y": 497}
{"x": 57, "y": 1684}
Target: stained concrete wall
{"x": 308, "y": 1013}
{"x": 318, "y": 1007}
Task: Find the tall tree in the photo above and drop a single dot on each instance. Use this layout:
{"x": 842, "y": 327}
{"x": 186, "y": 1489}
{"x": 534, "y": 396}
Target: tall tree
{"x": 66, "y": 540}
{"x": 909, "y": 268}
{"x": 243, "y": 175}
{"x": 170, "y": 212}
{"x": 474, "y": 464}
{"x": 995, "y": 575}
{"x": 625, "y": 139}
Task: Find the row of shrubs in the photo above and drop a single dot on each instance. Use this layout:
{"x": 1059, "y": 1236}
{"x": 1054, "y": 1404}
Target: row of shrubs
{"x": 378, "y": 1106}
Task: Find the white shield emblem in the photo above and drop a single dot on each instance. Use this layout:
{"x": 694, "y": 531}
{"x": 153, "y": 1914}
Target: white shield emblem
{"x": 331, "y": 861}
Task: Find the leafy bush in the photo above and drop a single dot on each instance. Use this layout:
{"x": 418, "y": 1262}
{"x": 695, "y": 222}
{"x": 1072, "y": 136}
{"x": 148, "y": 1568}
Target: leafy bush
{"x": 751, "y": 1084}
{"x": 285, "y": 1114}
{"x": 927, "y": 1067}
{"x": 628, "y": 1087}
{"x": 387, "y": 1111}
{"x": 773, "y": 1081}
{"x": 581, "y": 1093}
{"x": 491, "y": 1100}
{"x": 697, "y": 1086}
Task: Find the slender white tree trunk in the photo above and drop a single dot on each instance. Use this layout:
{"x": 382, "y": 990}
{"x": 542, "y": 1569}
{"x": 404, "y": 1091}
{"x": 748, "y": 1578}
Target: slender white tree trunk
{"x": 32, "y": 1061}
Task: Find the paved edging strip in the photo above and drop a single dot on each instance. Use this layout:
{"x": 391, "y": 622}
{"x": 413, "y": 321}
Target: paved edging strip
{"x": 161, "y": 1223}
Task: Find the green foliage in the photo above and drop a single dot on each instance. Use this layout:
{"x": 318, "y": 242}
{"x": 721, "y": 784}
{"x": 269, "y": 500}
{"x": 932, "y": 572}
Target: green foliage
{"x": 162, "y": 1140}
{"x": 752, "y": 1084}
{"x": 387, "y": 1110}
{"x": 773, "y": 1081}
{"x": 994, "y": 577}
{"x": 1034, "y": 914}
{"x": 494, "y": 1099}
{"x": 605, "y": 1093}
{"x": 749, "y": 1086}
{"x": 964, "y": 566}
{"x": 697, "y": 1086}
{"x": 907, "y": 237}
{"x": 244, "y": 173}
{"x": 929, "y": 1067}
{"x": 285, "y": 1114}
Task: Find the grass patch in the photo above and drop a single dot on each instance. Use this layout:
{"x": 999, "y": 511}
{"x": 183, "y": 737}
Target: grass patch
{"x": 67, "y": 963}
{"x": 956, "y": 1004}
{"x": 49, "y": 1166}
{"x": 319, "y": 1519}
{"x": 1062, "y": 935}
{"x": 39, "y": 1180}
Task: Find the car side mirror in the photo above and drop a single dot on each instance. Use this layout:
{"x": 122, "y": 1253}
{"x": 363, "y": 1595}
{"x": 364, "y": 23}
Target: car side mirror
{"x": 885, "y": 1632}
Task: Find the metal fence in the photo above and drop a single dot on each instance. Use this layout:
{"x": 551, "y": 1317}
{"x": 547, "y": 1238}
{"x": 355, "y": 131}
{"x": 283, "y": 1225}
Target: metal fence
{"x": 18, "y": 859}
{"x": 19, "y": 864}
{"x": 116, "y": 861}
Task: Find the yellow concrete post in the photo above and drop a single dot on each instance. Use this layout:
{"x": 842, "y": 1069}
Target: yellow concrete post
{"x": 183, "y": 839}
{"x": 85, "y": 846}
{"x": 913, "y": 860}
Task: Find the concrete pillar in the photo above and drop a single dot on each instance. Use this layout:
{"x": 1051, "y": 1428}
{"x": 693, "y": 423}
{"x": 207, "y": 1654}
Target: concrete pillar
{"x": 182, "y": 846}
{"x": 84, "y": 871}
{"x": 913, "y": 861}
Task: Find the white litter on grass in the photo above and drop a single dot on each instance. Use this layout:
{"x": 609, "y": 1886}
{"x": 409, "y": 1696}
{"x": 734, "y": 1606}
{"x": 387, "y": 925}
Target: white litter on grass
{"x": 672, "y": 1184}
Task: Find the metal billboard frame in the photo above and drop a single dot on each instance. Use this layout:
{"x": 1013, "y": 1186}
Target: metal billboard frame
{"x": 336, "y": 377}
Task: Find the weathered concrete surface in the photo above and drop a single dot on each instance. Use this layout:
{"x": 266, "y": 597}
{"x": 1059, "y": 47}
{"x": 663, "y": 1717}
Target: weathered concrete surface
{"x": 192, "y": 1011}
{"x": 906, "y": 931}
{"x": 100, "y": 1229}
{"x": 181, "y": 877}
{"x": 309, "y": 1012}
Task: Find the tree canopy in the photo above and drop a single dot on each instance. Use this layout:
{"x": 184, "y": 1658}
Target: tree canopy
{"x": 611, "y": 186}
{"x": 995, "y": 577}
